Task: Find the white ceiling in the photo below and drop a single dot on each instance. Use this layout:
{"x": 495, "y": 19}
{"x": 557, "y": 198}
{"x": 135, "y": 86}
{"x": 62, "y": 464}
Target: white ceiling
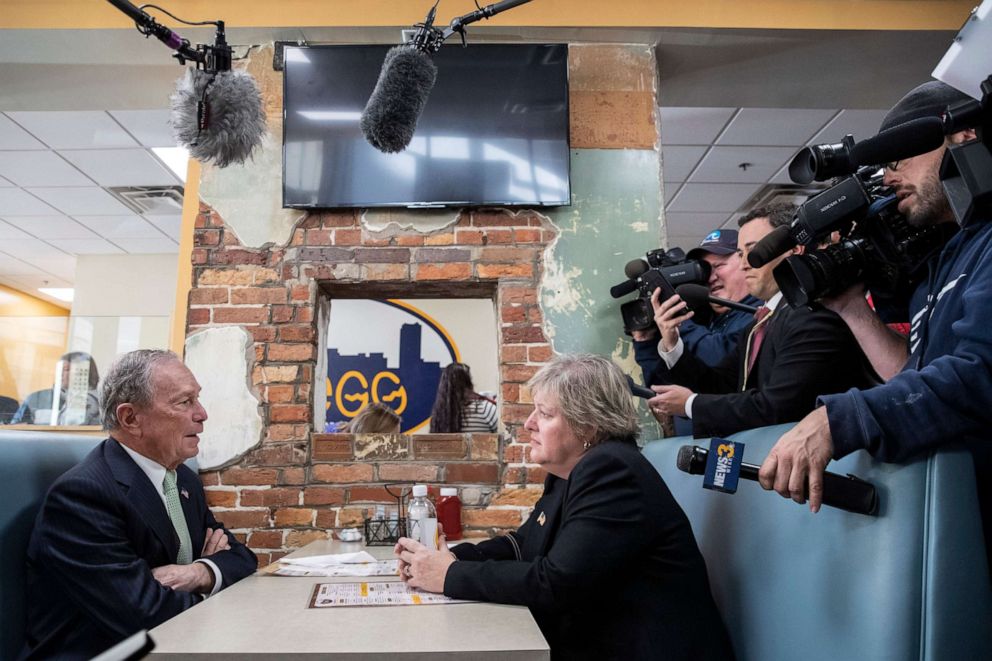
{"x": 716, "y": 160}
{"x": 55, "y": 168}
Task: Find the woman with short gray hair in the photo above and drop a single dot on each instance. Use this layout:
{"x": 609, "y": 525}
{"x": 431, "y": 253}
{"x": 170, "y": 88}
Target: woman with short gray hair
{"x": 607, "y": 562}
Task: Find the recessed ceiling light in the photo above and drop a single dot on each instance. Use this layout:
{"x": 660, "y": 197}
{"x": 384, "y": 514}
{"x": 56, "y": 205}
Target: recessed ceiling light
{"x": 175, "y": 158}
{"x": 61, "y": 293}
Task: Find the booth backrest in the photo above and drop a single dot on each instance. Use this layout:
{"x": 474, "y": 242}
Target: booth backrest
{"x": 909, "y": 583}
{"x": 29, "y": 463}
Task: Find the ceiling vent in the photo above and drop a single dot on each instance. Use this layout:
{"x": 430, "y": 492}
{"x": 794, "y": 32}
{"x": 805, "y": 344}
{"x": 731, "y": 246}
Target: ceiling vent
{"x": 150, "y": 200}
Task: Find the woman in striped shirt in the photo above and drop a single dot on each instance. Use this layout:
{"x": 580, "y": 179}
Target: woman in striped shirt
{"x": 458, "y": 408}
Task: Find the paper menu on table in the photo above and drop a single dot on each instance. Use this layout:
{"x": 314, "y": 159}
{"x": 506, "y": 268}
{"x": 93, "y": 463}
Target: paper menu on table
{"x": 390, "y": 593}
{"x": 378, "y": 568}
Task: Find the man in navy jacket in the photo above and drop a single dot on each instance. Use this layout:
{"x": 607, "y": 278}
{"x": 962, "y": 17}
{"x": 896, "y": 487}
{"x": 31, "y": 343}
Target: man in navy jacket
{"x": 711, "y": 342}
{"x": 124, "y": 540}
{"x": 939, "y": 384}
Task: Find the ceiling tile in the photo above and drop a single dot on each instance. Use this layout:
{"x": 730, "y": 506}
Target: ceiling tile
{"x": 63, "y": 129}
{"x": 712, "y": 198}
{"x": 8, "y": 231}
{"x": 859, "y": 123}
{"x": 13, "y": 136}
{"x": 774, "y": 126}
{"x": 40, "y": 168}
{"x": 121, "y": 167}
{"x": 4, "y": 183}
{"x": 12, "y": 266}
{"x": 29, "y": 249}
{"x": 63, "y": 267}
{"x": 170, "y": 225}
{"x": 150, "y": 127}
{"x": 31, "y": 282}
{"x": 51, "y": 227}
{"x": 722, "y": 164}
{"x": 693, "y": 224}
{"x": 678, "y": 161}
{"x": 684, "y": 240}
{"x": 692, "y": 126}
{"x": 148, "y": 246}
{"x": 95, "y": 246}
{"x": 121, "y": 227}
{"x": 16, "y": 202}
{"x": 91, "y": 201}
{"x": 669, "y": 190}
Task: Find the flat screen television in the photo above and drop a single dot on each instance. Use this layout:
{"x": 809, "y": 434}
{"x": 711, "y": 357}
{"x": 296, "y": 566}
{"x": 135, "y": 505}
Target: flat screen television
{"x": 494, "y": 131}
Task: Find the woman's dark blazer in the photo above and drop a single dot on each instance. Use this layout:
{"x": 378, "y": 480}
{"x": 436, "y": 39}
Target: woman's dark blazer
{"x": 607, "y": 564}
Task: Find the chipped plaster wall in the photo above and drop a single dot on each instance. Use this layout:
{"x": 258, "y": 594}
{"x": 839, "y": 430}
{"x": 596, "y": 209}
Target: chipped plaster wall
{"x": 218, "y": 358}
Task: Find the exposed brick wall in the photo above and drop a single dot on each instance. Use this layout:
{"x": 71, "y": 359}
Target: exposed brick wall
{"x": 297, "y": 485}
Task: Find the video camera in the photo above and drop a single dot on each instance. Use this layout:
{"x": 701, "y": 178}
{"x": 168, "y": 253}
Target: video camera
{"x": 877, "y": 245}
{"x": 664, "y": 269}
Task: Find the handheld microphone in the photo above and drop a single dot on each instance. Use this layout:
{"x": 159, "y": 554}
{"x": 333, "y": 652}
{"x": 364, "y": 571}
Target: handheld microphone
{"x": 624, "y": 288}
{"x": 774, "y": 244}
{"x": 697, "y": 297}
{"x": 905, "y": 140}
{"x": 407, "y": 77}
{"x": 848, "y": 493}
{"x": 638, "y": 390}
{"x": 634, "y": 269}
{"x": 216, "y": 112}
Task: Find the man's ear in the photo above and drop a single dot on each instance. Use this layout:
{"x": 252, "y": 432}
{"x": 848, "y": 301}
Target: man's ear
{"x": 127, "y": 419}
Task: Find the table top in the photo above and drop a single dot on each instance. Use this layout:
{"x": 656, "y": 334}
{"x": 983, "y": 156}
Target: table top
{"x": 268, "y": 617}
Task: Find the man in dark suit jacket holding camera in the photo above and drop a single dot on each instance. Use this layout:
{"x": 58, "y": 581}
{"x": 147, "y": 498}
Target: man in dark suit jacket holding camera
{"x": 124, "y": 540}
{"x": 785, "y": 358}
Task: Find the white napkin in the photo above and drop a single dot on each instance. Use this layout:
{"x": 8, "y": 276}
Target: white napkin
{"x": 331, "y": 560}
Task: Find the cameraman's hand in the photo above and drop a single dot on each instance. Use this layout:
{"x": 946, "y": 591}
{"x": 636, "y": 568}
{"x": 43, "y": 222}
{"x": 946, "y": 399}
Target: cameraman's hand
{"x": 850, "y": 301}
{"x": 668, "y": 316}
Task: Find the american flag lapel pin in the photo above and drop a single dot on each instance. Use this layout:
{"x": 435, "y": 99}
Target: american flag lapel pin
{"x": 541, "y": 518}
{"x": 184, "y": 493}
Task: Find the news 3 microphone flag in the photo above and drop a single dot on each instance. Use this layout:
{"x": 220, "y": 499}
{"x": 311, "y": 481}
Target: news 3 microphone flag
{"x": 723, "y": 465}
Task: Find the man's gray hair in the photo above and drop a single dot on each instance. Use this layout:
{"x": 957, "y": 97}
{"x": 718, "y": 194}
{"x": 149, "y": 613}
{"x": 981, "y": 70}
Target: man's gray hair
{"x": 593, "y": 396}
{"x": 129, "y": 381}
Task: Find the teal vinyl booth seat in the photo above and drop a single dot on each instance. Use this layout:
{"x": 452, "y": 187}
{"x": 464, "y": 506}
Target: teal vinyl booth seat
{"x": 29, "y": 463}
{"x": 911, "y": 582}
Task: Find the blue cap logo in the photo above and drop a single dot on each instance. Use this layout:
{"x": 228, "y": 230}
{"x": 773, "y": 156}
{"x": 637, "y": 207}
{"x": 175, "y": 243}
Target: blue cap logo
{"x": 712, "y": 237}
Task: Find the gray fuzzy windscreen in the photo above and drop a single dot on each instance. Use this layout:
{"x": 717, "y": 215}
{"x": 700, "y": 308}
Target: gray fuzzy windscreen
{"x": 235, "y": 122}
{"x": 405, "y": 81}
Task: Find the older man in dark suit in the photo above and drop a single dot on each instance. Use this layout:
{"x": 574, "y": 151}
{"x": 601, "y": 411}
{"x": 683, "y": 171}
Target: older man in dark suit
{"x": 124, "y": 540}
{"x": 784, "y": 359}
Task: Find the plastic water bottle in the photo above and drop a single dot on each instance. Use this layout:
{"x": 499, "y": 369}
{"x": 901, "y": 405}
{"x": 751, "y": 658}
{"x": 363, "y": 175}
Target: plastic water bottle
{"x": 421, "y": 518}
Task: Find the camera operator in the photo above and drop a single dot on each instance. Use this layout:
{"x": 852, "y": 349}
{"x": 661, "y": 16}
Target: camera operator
{"x": 782, "y": 361}
{"x": 712, "y": 341}
{"x": 943, "y": 387}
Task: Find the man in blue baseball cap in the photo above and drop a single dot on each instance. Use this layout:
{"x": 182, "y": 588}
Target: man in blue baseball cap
{"x": 710, "y": 342}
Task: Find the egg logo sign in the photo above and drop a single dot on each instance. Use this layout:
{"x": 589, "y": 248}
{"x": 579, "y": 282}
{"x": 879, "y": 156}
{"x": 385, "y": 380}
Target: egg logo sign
{"x": 387, "y": 352}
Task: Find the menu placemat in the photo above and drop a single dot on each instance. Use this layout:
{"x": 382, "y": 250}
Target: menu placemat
{"x": 389, "y": 593}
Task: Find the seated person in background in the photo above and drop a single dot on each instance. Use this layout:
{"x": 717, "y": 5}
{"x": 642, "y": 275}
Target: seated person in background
{"x": 376, "y": 418}
{"x": 458, "y": 408}
{"x": 76, "y": 406}
{"x": 783, "y": 360}
{"x": 709, "y": 343}
{"x": 607, "y": 562}
{"x": 124, "y": 540}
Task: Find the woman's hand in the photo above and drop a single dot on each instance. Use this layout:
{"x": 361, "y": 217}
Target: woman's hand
{"x": 421, "y": 567}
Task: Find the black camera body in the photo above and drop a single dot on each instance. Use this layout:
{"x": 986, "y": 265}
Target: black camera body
{"x": 664, "y": 269}
{"x": 878, "y": 246}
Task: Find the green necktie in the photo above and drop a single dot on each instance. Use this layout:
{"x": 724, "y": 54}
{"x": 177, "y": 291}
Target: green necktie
{"x": 175, "y": 509}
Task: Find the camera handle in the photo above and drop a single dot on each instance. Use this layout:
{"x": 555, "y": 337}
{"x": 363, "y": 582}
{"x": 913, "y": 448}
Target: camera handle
{"x": 966, "y": 171}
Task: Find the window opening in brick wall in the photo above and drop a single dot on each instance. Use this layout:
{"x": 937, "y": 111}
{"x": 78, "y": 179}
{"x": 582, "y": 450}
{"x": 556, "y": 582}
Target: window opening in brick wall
{"x": 392, "y": 351}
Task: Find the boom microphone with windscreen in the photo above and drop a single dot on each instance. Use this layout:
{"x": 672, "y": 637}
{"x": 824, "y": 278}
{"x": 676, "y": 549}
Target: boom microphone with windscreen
{"x": 216, "y": 112}
{"x": 847, "y": 493}
{"x": 774, "y": 244}
{"x": 407, "y": 77}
